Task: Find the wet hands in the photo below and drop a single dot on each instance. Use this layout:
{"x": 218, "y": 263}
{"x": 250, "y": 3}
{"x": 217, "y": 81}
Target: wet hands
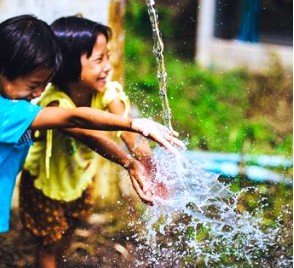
{"x": 141, "y": 181}
{"x": 158, "y": 133}
{"x": 143, "y": 177}
{"x": 159, "y": 189}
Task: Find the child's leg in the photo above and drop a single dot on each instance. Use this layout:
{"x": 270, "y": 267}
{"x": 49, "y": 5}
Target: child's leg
{"x": 51, "y": 222}
{"x": 45, "y": 257}
{"x": 53, "y": 256}
{"x": 63, "y": 246}
{"x": 45, "y": 219}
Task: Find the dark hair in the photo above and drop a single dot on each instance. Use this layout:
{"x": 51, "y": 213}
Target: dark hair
{"x": 76, "y": 36}
{"x": 27, "y": 44}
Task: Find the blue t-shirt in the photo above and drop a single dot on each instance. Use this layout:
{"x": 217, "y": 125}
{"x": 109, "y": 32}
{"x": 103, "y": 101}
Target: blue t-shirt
{"x": 15, "y": 140}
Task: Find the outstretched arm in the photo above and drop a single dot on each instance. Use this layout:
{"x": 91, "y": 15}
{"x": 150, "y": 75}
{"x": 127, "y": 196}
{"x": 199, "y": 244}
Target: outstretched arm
{"x": 112, "y": 151}
{"x": 140, "y": 149}
{"x": 136, "y": 145}
{"x": 84, "y": 117}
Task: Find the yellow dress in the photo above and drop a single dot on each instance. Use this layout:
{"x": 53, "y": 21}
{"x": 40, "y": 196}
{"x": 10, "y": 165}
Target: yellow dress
{"x": 64, "y": 167}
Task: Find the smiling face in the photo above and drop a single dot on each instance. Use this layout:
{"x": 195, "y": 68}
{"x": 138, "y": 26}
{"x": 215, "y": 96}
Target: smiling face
{"x": 26, "y": 88}
{"x": 95, "y": 69}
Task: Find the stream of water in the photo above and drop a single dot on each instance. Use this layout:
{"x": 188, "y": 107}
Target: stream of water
{"x": 158, "y": 48}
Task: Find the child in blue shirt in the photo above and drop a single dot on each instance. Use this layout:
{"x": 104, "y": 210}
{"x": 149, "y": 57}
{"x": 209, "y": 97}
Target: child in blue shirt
{"x": 29, "y": 58}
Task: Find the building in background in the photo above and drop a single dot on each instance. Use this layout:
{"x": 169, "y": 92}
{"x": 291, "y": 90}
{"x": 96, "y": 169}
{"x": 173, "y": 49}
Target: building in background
{"x": 247, "y": 33}
{"x": 228, "y": 34}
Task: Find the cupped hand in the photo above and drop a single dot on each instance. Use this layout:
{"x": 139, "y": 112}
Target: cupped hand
{"x": 158, "y": 133}
{"x": 141, "y": 181}
{"x": 143, "y": 176}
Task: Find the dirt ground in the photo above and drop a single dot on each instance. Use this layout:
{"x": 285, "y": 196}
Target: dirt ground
{"x": 108, "y": 249}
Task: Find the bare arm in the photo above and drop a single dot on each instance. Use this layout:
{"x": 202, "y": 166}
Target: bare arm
{"x": 111, "y": 151}
{"x": 84, "y": 117}
{"x": 138, "y": 146}
{"x": 98, "y": 142}
{"x": 101, "y": 144}
{"x": 141, "y": 150}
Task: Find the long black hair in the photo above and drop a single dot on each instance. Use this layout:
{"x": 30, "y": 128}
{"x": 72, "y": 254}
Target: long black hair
{"x": 76, "y": 36}
{"x": 27, "y": 44}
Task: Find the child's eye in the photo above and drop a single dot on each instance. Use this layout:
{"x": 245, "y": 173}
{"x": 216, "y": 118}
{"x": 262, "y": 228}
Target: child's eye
{"x": 32, "y": 88}
{"x": 36, "y": 87}
{"x": 99, "y": 60}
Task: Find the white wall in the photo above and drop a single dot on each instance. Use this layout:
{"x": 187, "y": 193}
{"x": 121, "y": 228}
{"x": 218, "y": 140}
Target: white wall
{"x": 49, "y": 10}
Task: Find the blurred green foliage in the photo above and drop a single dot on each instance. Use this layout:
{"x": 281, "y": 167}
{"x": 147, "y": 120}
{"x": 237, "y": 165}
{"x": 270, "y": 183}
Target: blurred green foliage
{"x": 229, "y": 111}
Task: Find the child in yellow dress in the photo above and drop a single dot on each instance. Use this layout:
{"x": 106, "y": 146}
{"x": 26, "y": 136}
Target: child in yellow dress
{"x": 61, "y": 167}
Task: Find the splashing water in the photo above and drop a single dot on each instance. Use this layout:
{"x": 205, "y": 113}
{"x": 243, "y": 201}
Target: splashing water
{"x": 158, "y": 48}
{"x": 199, "y": 221}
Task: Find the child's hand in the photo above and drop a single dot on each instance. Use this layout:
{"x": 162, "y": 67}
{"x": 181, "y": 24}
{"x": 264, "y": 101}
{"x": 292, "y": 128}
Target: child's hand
{"x": 159, "y": 189}
{"x": 158, "y": 133}
{"x": 141, "y": 181}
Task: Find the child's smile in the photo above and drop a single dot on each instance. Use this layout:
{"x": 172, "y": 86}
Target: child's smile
{"x": 95, "y": 69}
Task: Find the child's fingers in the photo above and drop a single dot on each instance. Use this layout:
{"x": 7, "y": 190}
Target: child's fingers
{"x": 173, "y": 133}
{"x": 145, "y": 197}
{"x": 142, "y": 184}
{"x": 167, "y": 144}
{"x": 157, "y": 132}
{"x": 170, "y": 135}
{"x": 175, "y": 141}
